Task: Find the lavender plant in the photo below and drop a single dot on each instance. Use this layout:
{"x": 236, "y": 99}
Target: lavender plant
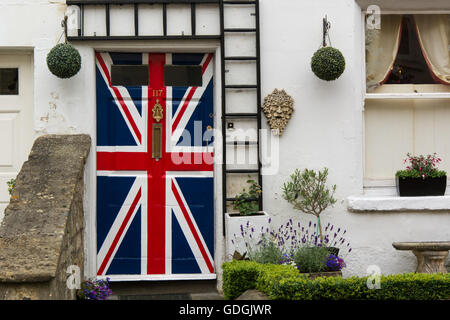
{"x": 283, "y": 243}
{"x": 311, "y": 259}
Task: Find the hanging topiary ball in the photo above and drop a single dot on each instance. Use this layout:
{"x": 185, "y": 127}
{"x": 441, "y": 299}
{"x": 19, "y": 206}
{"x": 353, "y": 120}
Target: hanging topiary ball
{"x": 64, "y": 61}
{"x": 328, "y": 63}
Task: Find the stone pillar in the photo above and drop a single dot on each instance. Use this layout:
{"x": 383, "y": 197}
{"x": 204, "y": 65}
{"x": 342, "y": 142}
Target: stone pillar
{"x": 42, "y": 232}
{"x": 431, "y": 261}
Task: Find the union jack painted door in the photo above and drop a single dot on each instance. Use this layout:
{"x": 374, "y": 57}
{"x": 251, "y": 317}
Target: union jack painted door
{"x": 155, "y": 217}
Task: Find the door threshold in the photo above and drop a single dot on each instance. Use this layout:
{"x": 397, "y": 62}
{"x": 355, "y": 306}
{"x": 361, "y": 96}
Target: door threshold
{"x": 158, "y": 277}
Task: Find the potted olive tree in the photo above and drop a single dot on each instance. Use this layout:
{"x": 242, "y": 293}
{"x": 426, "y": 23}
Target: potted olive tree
{"x": 246, "y": 204}
{"x": 421, "y": 177}
{"x": 307, "y": 192}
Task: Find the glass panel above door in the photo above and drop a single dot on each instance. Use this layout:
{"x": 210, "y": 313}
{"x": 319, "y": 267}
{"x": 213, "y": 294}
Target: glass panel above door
{"x": 9, "y": 81}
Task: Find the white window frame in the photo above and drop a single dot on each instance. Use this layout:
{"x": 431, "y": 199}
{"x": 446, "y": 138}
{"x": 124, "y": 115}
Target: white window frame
{"x": 381, "y": 195}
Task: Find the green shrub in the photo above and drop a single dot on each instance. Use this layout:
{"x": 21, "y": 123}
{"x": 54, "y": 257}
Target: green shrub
{"x": 239, "y": 276}
{"x": 285, "y": 283}
{"x": 328, "y": 63}
{"x": 311, "y": 259}
{"x": 64, "y": 61}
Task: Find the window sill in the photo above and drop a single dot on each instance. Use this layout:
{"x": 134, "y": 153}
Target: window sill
{"x": 390, "y": 203}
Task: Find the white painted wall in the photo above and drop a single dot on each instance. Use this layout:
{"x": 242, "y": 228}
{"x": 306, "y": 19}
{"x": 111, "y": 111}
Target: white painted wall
{"x": 326, "y": 129}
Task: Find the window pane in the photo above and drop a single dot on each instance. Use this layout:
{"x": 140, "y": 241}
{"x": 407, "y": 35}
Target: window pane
{"x": 394, "y": 128}
{"x": 182, "y": 76}
{"x": 9, "y": 81}
{"x": 410, "y": 65}
{"x": 130, "y": 75}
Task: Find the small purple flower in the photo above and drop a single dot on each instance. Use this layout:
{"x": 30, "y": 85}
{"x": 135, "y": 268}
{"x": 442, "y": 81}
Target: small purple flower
{"x": 335, "y": 263}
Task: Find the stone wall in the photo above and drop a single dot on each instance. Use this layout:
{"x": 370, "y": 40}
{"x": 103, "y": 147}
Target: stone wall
{"x": 42, "y": 231}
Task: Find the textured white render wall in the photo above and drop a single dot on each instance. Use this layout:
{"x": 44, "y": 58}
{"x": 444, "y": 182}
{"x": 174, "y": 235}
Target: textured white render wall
{"x": 59, "y": 105}
{"x": 326, "y": 128}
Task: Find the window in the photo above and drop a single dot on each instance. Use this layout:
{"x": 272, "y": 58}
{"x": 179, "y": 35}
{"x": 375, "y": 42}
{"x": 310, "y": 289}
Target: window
{"x": 182, "y": 76}
{"x": 129, "y": 75}
{"x": 9, "y": 81}
{"x": 407, "y": 105}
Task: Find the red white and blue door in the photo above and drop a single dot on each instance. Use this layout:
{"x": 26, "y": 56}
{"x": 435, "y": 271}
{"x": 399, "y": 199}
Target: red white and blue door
{"x": 155, "y": 207}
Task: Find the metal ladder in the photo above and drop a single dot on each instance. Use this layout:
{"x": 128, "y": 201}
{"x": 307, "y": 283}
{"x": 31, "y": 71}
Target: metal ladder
{"x": 227, "y": 87}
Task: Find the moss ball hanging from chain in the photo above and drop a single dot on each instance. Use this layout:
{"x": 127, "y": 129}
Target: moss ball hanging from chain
{"x": 64, "y": 61}
{"x": 328, "y": 63}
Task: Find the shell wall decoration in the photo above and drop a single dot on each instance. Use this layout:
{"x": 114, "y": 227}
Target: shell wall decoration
{"x": 278, "y": 108}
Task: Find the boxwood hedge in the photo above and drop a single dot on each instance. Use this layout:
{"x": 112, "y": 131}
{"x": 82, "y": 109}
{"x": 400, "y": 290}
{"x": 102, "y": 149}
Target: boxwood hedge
{"x": 284, "y": 282}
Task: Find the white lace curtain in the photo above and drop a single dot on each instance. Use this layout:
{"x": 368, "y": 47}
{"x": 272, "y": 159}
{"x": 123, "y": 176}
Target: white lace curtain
{"x": 382, "y": 47}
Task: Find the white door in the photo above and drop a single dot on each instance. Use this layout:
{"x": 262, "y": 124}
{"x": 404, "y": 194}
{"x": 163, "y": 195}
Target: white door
{"x": 16, "y": 114}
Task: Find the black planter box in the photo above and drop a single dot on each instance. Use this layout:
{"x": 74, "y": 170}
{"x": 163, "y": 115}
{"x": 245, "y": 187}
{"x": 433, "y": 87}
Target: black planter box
{"x": 417, "y": 187}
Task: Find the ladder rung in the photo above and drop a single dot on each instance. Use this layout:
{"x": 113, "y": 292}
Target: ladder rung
{"x": 241, "y": 115}
{"x": 249, "y": 199}
{"x": 240, "y": 30}
{"x": 242, "y": 171}
{"x": 242, "y": 143}
{"x": 241, "y": 86}
{"x": 240, "y": 58}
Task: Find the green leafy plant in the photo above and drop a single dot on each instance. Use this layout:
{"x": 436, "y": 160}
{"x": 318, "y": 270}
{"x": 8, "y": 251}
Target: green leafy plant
{"x": 328, "y": 63}
{"x": 64, "y": 61}
{"x": 283, "y": 282}
{"x": 307, "y": 192}
{"x": 247, "y": 202}
{"x": 311, "y": 259}
{"x": 11, "y": 185}
{"x": 239, "y": 276}
{"x": 421, "y": 167}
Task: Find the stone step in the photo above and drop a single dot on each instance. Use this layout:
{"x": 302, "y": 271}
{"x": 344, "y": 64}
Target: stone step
{"x": 166, "y": 290}
{"x": 170, "y": 296}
